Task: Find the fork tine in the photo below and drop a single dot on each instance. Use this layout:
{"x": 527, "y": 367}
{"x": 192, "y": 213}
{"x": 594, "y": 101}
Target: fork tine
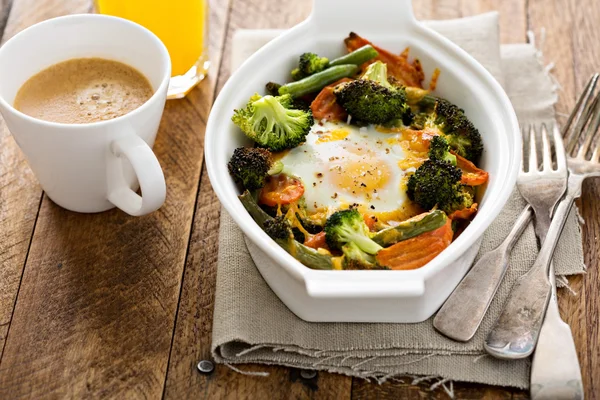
{"x": 590, "y": 132}
{"x": 589, "y": 88}
{"x": 596, "y": 154}
{"x": 533, "y": 161}
{"x": 580, "y": 115}
{"x": 559, "y": 149}
{"x": 546, "y": 151}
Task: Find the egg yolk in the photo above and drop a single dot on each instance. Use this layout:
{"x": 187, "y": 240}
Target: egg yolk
{"x": 361, "y": 176}
{"x": 332, "y": 136}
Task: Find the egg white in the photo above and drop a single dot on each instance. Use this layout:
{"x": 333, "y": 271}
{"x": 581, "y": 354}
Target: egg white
{"x": 342, "y": 165}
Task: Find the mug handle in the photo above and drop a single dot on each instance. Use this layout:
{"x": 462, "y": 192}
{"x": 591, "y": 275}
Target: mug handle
{"x": 148, "y": 172}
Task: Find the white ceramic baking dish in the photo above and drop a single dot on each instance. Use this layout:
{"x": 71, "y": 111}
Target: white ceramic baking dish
{"x": 368, "y": 296}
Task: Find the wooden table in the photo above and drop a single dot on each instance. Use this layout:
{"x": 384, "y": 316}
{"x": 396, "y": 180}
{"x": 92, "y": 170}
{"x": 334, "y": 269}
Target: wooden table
{"x": 109, "y": 305}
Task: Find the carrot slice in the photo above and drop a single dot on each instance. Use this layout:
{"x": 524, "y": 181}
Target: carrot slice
{"x": 418, "y": 251}
{"x": 316, "y": 241}
{"x": 465, "y": 213}
{"x": 471, "y": 174}
{"x": 325, "y": 105}
{"x": 281, "y": 189}
{"x": 370, "y": 221}
{"x": 398, "y": 66}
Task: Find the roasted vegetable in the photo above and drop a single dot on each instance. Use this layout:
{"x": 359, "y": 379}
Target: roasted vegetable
{"x": 407, "y": 73}
{"x": 271, "y": 123}
{"x": 451, "y": 122}
{"x": 251, "y": 165}
{"x": 355, "y": 258}
{"x": 318, "y": 81}
{"x": 372, "y": 99}
{"x": 309, "y": 64}
{"x": 412, "y": 227}
{"x": 356, "y": 57}
{"x": 257, "y": 213}
{"x": 279, "y": 229}
{"x": 440, "y": 150}
{"x": 418, "y": 251}
{"x": 347, "y": 226}
{"x": 438, "y": 183}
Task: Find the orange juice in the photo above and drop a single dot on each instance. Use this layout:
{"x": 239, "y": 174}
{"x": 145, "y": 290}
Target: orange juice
{"x": 180, "y": 24}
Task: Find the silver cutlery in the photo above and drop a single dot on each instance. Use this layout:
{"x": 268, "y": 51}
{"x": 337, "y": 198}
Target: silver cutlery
{"x": 516, "y": 331}
{"x": 555, "y": 371}
{"x": 460, "y": 316}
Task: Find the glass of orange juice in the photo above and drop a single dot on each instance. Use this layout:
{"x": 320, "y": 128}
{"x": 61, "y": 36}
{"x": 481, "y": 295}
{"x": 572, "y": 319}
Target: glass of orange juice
{"x": 182, "y": 25}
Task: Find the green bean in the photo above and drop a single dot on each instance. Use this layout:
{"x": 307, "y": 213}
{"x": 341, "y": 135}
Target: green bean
{"x": 357, "y": 57}
{"x": 411, "y": 228}
{"x": 318, "y": 81}
{"x": 257, "y": 213}
{"x": 306, "y": 255}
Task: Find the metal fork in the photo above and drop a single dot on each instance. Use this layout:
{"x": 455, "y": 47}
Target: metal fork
{"x": 517, "y": 328}
{"x": 555, "y": 372}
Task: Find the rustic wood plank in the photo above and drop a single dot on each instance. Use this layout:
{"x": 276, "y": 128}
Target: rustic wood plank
{"x": 194, "y": 322}
{"x": 586, "y": 54}
{"x": 561, "y": 27}
{"x": 20, "y": 193}
{"x": 96, "y": 310}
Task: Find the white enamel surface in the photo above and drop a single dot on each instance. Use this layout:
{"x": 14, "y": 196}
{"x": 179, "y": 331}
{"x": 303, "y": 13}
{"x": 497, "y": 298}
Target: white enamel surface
{"x": 71, "y": 161}
{"x": 321, "y": 295}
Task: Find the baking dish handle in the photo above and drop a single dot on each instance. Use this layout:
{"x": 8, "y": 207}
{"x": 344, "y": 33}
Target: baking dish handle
{"x": 355, "y": 13}
{"x": 340, "y": 288}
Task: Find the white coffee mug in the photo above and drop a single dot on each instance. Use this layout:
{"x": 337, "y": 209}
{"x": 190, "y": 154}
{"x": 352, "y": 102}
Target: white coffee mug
{"x": 97, "y": 166}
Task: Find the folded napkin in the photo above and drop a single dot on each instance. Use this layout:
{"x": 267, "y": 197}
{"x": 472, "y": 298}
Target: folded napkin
{"x": 251, "y": 325}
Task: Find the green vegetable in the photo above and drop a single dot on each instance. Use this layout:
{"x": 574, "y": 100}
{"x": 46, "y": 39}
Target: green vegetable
{"x": 439, "y": 150}
{"x": 355, "y": 258}
{"x": 438, "y": 182}
{"x": 348, "y": 226}
{"x": 309, "y": 64}
{"x": 279, "y": 229}
{"x": 411, "y": 228}
{"x": 257, "y": 213}
{"x": 372, "y": 99}
{"x": 272, "y": 88}
{"x": 318, "y": 81}
{"x": 272, "y": 123}
{"x": 462, "y": 136}
{"x": 250, "y": 166}
{"x": 357, "y": 57}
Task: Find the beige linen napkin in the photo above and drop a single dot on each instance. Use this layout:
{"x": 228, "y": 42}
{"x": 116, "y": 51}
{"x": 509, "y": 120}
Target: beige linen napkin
{"x": 251, "y": 325}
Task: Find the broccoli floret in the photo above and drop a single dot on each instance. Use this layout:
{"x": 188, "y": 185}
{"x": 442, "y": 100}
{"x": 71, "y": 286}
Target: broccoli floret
{"x": 372, "y": 99}
{"x": 461, "y": 134}
{"x": 440, "y": 150}
{"x": 278, "y": 228}
{"x": 355, "y": 258}
{"x": 348, "y": 226}
{"x": 438, "y": 182}
{"x": 251, "y": 165}
{"x": 272, "y": 123}
{"x": 309, "y": 64}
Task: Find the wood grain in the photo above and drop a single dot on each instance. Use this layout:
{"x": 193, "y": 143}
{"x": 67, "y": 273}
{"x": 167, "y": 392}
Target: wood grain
{"x": 114, "y": 306}
{"x": 20, "y": 193}
{"x": 96, "y": 309}
{"x": 194, "y": 323}
{"x": 586, "y": 56}
{"x": 559, "y": 48}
